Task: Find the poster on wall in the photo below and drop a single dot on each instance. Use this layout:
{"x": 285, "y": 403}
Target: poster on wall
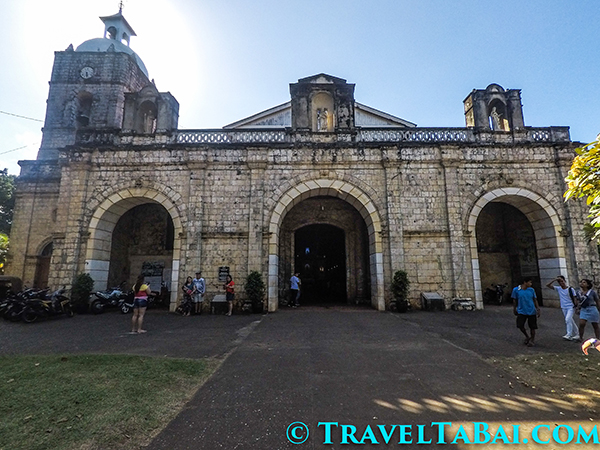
{"x": 223, "y": 272}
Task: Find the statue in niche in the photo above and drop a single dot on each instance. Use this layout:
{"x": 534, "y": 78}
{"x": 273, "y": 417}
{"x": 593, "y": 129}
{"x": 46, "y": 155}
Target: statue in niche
{"x": 496, "y": 120}
{"x": 322, "y": 119}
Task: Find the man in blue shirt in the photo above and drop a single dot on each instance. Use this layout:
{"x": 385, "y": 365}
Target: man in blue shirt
{"x": 199, "y": 290}
{"x": 294, "y": 290}
{"x": 526, "y": 308}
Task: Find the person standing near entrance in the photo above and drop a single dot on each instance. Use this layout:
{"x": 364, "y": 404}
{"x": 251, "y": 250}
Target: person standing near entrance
{"x": 295, "y": 290}
{"x": 588, "y": 308}
{"x": 140, "y": 303}
{"x": 568, "y": 301}
{"x": 199, "y": 290}
{"x": 229, "y": 293}
{"x": 526, "y": 308}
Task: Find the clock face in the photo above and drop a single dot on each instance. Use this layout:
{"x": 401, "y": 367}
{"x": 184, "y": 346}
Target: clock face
{"x": 87, "y": 72}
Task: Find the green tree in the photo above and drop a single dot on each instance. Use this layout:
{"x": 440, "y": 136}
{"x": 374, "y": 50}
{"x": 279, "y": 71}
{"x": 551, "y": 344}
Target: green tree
{"x": 255, "y": 290}
{"x": 81, "y": 291}
{"x": 584, "y": 181}
{"x": 400, "y": 285}
{"x": 7, "y": 200}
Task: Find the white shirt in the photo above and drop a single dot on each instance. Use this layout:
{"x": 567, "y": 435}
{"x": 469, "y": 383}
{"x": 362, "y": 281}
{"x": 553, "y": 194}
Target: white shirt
{"x": 565, "y": 298}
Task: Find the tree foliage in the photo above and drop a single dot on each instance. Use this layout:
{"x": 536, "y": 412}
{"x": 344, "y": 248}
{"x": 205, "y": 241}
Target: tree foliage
{"x": 81, "y": 290}
{"x": 7, "y": 200}
{"x": 584, "y": 181}
{"x": 255, "y": 288}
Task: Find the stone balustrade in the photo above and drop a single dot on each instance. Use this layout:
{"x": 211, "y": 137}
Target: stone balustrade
{"x": 370, "y": 135}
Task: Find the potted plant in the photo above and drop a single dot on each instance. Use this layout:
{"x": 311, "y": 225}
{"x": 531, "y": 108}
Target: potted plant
{"x": 400, "y": 285}
{"x": 81, "y": 291}
{"x": 255, "y": 292}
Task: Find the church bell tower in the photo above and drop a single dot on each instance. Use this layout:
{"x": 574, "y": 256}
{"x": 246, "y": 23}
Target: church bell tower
{"x": 91, "y": 85}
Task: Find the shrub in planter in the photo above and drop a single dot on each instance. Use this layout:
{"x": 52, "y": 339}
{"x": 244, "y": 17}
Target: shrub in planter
{"x": 255, "y": 291}
{"x": 81, "y": 291}
{"x": 400, "y": 285}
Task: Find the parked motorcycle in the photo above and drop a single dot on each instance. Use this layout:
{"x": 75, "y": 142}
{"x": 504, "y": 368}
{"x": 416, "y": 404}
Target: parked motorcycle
{"x": 12, "y": 308}
{"x": 55, "y": 305}
{"x": 112, "y": 297}
{"x": 126, "y": 303}
{"x": 494, "y": 294}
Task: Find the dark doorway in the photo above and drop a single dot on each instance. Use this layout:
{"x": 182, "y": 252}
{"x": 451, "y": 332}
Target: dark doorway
{"x": 507, "y": 248}
{"x": 320, "y": 258}
{"x": 42, "y": 268}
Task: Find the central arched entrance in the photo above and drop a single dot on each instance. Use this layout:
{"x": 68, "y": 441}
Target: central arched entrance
{"x": 325, "y": 240}
{"x": 320, "y": 259}
{"x": 364, "y": 255}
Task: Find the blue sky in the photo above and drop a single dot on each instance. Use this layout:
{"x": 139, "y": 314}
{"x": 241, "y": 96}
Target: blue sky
{"x": 228, "y": 59}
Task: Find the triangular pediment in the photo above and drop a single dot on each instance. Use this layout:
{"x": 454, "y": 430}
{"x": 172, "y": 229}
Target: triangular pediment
{"x": 281, "y": 116}
{"x": 322, "y": 78}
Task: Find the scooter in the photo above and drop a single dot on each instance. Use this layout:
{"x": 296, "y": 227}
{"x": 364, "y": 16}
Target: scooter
{"x": 12, "y": 308}
{"x": 56, "y": 305}
{"x": 126, "y": 303}
{"x": 107, "y": 298}
{"x": 495, "y": 294}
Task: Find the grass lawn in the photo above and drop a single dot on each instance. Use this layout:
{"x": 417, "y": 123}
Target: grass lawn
{"x": 92, "y": 402}
{"x": 571, "y": 376}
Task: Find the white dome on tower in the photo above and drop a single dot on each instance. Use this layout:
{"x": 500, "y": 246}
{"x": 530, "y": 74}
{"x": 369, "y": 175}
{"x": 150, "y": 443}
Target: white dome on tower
{"x": 117, "y": 33}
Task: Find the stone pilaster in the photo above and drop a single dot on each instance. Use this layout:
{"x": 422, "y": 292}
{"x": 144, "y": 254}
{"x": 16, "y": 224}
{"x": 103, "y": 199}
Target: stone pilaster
{"x": 256, "y": 221}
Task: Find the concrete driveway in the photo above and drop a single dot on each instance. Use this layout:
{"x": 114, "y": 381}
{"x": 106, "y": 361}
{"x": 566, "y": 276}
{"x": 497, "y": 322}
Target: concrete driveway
{"x": 351, "y": 367}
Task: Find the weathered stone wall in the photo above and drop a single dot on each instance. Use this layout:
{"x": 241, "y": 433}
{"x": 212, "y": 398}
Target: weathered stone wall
{"x": 226, "y": 195}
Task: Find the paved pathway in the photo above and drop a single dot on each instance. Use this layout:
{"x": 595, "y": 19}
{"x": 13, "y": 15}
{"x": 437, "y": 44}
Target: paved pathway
{"x": 360, "y": 368}
{"x": 351, "y": 366}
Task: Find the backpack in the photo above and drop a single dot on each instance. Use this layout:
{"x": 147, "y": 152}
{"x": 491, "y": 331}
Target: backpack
{"x": 573, "y": 295}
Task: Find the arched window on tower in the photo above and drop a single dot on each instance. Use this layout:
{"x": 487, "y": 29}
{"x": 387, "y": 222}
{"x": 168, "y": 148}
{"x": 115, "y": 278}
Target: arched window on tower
{"x": 112, "y": 33}
{"x": 498, "y": 117}
{"x": 146, "y": 117}
{"x": 84, "y": 109}
{"x": 125, "y": 39}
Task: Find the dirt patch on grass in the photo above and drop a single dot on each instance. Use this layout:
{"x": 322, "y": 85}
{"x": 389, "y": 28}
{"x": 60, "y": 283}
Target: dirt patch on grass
{"x": 572, "y": 377}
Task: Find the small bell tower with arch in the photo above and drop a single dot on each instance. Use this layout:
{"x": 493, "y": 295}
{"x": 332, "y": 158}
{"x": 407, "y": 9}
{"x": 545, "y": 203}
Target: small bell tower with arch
{"x": 494, "y": 109}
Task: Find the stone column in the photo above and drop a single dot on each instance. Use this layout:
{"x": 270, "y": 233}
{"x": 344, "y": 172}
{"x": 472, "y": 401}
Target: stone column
{"x": 257, "y": 164}
{"x": 68, "y": 255}
{"x": 460, "y": 255}
{"x": 392, "y": 170}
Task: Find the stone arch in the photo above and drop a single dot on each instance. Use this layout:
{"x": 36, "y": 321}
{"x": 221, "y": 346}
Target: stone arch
{"x": 104, "y": 219}
{"x": 338, "y": 189}
{"x": 42, "y": 263}
{"x": 546, "y": 225}
{"x": 147, "y": 115}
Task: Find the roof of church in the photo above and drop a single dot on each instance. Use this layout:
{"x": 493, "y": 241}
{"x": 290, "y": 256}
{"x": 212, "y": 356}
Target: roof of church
{"x": 281, "y": 116}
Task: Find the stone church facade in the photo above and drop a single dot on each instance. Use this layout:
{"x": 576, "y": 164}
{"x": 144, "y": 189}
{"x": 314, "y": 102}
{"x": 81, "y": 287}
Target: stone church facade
{"x": 322, "y": 185}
